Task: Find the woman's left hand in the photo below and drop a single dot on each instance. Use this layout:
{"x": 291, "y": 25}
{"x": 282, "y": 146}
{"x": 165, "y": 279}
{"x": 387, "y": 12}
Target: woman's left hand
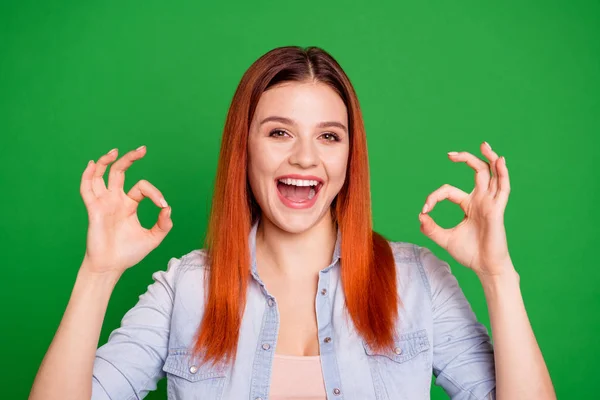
{"x": 479, "y": 240}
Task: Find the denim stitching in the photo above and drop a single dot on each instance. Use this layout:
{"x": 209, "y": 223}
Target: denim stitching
{"x": 422, "y": 271}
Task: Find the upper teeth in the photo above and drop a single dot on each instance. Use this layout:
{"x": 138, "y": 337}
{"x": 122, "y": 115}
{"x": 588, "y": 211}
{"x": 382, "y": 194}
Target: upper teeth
{"x": 299, "y": 182}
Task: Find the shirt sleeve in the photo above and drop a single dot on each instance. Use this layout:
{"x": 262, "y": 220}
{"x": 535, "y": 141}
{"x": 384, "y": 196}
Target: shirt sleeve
{"x": 130, "y": 364}
{"x": 463, "y": 355}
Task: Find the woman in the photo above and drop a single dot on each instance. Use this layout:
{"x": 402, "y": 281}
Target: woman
{"x": 295, "y": 296}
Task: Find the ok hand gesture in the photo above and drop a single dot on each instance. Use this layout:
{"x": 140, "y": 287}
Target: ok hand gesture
{"x": 479, "y": 240}
{"x": 116, "y": 240}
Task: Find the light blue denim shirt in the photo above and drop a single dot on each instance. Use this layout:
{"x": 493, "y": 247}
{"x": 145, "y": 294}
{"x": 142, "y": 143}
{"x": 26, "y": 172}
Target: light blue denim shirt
{"x": 437, "y": 333}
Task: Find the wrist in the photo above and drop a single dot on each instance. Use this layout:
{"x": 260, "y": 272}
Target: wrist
{"x": 106, "y": 278}
{"x": 496, "y": 283}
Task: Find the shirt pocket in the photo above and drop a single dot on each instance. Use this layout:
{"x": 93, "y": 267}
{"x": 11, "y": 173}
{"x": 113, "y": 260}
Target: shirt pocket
{"x": 403, "y": 371}
{"x": 189, "y": 379}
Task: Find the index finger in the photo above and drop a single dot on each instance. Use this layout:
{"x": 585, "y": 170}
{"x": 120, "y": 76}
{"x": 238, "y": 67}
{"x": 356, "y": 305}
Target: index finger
{"x": 482, "y": 169}
{"x": 116, "y": 176}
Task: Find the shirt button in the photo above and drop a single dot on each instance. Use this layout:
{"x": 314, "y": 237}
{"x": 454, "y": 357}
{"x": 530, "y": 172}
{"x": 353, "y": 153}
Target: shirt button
{"x": 266, "y": 346}
{"x": 323, "y": 292}
{"x": 337, "y": 391}
{"x": 271, "y": 303}
{"x": 398, "y": 350}
{"x": 193, "y": 369}
{"x": 327, "y": 339}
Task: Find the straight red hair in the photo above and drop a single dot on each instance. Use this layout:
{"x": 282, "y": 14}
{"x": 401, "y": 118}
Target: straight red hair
{"x": 368, "y": 271}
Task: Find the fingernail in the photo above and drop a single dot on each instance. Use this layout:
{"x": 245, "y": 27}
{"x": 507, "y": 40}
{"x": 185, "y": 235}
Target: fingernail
{"x": 452, "y": 153}
{"x": 504, "y": 160}
{"x": 163, "y": 202}
{"x": 112, "y": 151}
{"x": 89, "y": 162}
{"x": 488, "y": 145}
{"x": 139, "y": 148}
{"x": 169, "y": 212}
{"x": 425, "y": 209}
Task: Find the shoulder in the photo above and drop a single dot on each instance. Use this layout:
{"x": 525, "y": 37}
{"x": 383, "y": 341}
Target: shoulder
{"x": 413, "y": 253}
{"x": 185, "y": 281}
{"x": 193, "y": 262}
{"x": 404, "y": 252}
{"x": 195, "y": 259}
{"x": 419, "y": 256}
{"x": 417, "y": 262}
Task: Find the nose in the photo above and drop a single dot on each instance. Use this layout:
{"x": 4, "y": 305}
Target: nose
{"x": 304, "y": 154}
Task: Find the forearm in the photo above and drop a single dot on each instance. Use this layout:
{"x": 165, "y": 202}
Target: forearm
{"x": 521, "y": 372}
{"x": 66, "y": 370}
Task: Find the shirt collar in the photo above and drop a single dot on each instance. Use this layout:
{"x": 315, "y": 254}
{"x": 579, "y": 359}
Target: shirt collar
{"x": 337, "y": 252}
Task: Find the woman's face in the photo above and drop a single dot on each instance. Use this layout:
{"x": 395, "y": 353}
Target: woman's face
{"x": 298, "y": 149}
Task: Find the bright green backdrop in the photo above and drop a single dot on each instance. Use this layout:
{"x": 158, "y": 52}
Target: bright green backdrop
{"x": 79, "y": 78}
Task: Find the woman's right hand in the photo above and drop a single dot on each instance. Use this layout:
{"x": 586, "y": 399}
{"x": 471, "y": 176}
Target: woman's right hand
{"x": 116, "y": 240}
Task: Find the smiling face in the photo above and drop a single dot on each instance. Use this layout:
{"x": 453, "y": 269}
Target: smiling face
{"x": 298, "y": 149}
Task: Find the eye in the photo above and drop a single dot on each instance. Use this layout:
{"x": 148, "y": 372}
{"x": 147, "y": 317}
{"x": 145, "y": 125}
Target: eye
{"x": 330, "y": 137}
{"x": 278, "y": 133}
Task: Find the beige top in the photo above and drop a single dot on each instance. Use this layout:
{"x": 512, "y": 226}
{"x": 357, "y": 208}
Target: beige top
{"x": 297, "y": 378}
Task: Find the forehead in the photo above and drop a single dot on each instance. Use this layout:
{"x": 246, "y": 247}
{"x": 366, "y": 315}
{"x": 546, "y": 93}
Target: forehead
{"x": 306, "y": 103}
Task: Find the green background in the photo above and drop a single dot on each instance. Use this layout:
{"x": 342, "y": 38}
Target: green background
{"x": 79, "y": 78}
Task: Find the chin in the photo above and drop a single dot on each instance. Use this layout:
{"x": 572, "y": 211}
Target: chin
{"x": 296, "y": 221}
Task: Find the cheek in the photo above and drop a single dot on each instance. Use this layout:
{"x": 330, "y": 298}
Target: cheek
{"x": 254, "y": 167}
{"x": 336, "y": 168}
{"x": 261, "y": 166}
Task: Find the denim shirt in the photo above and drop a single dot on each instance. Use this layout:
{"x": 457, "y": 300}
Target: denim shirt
{"x": 437, "y": 333}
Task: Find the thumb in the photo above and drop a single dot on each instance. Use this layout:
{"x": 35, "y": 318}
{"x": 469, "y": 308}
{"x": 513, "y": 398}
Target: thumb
{"x": 433, "y": 230}
{"x": 163, "y": 225}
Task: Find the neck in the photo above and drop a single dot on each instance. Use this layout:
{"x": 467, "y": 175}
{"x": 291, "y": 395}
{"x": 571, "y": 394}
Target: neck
{"x": 295, "y": 255}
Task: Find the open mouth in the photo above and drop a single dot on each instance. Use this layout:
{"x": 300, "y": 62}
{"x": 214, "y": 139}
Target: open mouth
{"x": 299, "y": 190}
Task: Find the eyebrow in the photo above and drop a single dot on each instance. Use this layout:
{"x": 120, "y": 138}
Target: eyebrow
{"x": 288, "y": 121}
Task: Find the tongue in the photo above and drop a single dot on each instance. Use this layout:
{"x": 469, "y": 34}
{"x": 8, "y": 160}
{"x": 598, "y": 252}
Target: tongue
{"x": 294, "y": 193}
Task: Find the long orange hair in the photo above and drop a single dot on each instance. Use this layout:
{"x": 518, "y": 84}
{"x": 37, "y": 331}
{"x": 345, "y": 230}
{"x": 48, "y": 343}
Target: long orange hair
{"x": 368, "y": 272}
